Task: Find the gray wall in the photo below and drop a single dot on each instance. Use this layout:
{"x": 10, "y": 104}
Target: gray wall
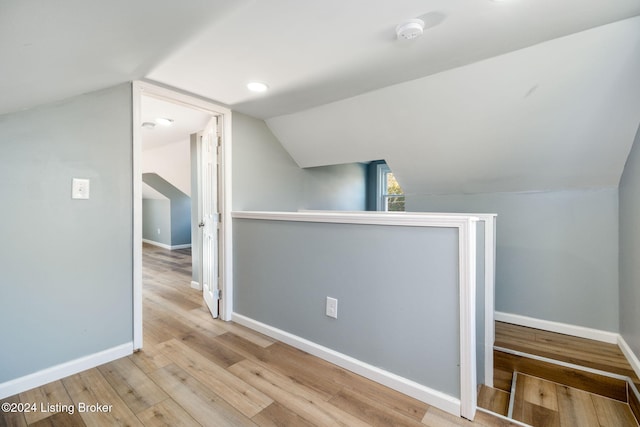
{"x": 557, "y": 252}
{"x": 66, "y": 265}
{"x": 265, "y": 177}
{"x": 156, "y": 220}
{"x": 397, "y": 309}
{"x": 179, "y": 206}
{"x": 630, "y": 249}
{"x": 181, "y": 221}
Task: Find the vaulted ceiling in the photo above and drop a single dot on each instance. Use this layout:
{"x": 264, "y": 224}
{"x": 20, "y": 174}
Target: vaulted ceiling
{"x": 496, "y": 96}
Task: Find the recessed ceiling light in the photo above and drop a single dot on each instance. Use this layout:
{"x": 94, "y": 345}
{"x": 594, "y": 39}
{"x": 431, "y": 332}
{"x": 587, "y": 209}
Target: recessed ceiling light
{"x": 257, "y": 87}
{"x": 148, "y": 125}
{"x": 164, "y": 121}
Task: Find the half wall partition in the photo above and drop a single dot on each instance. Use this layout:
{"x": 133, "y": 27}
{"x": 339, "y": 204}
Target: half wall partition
{"x": 405, "y": 286}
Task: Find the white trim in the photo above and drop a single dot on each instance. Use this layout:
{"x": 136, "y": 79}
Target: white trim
{"x": 563, "y": 364}
{"x": 467, "y": 294}
{"x": 489, "y": 294}
{"x": 629, "y": 354}
{"x": 165, "y": 246}
{"x": 226, "y": 271}
{"x": 196, "y": 285}
{"x": 381, "y": 169}
{"x": 561, "y": 328}
{"x": 425, "y": 394}
{"x": 512, "y": 394}
{"x": 185, "y": 246}
{"x": 502, "y": 417}
{"x": 63, "y": 370}
{"x": 137, "y": 215}
{"x": 373, "y": 218}
{"x": 226, "y": 237}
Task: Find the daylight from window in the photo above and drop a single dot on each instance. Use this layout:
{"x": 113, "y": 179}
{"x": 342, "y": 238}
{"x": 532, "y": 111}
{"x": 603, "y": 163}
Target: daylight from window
{"x": 393, "y": 195}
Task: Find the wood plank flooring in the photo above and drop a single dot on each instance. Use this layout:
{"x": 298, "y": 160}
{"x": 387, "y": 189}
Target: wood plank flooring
{"x": 543, "y": 403}
{"x": 196, "y": 371}
{"x": 579, "y": 351}
{"x": 548, "y": 394}
{"x": 605, "y": 386}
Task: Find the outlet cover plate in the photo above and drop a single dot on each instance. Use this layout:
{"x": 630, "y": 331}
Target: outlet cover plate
{"x": 332, "y": 307}
{"x": 80, "y": 188}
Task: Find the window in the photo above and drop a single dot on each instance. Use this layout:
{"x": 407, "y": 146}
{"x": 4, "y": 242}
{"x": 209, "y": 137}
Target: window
{"x": 390, "y": 195}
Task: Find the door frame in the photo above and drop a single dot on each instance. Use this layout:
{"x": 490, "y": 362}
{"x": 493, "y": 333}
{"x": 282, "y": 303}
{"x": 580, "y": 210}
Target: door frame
{"x": 140, "y": 88}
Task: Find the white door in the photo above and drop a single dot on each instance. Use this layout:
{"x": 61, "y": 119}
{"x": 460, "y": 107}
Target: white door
{"x": 210, "y": 216}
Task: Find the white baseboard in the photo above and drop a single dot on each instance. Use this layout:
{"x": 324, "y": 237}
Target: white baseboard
{"x": 63, "y": 370}
{"x": 423, "y": 393}
{"x": 196, "y": 285}
{"x": 185, "y": 246}
{"x": 561, "y": 328}
{"x": 630, "y": 355}
{"x": 165, "y": 246}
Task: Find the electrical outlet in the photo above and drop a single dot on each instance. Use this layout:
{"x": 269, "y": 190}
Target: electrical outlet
{"x": 80, "y": 188}
{"x": 158, "y": 231}
{"x": 332, "y": 307}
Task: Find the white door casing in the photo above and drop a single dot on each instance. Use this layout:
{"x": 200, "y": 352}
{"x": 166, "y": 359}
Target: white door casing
{"x": 176, "y": 96}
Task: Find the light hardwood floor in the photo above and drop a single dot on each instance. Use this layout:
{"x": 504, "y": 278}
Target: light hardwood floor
{"x": 543, "y": 403}
{"x": 579, "y": 351}
{"x": 196, "y": 371}
{"x": 552, "y": 395}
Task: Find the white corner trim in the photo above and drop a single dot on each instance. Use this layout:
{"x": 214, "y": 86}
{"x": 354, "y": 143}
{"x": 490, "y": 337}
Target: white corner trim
{"x": 63, "y": 370}
{"x": 489, "y": 295}
{"x": 467, "y": 296}
{"x": 196, "y": 285}
{"x": 561, "y": 328}
{"x": 136, "y": 168}
{"x": 423, "y": 393}
{"x": 629, "y": 354}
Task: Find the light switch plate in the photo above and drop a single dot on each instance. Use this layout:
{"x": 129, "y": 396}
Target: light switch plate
{"x": 80, "y": 188}
{"x": 332, "y": 307}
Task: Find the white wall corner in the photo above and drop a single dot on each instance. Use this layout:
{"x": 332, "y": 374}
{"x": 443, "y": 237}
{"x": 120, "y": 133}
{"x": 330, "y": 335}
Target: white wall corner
{"x": 558, "y": 327}
{"x": 63, "y": 370}
{"x": 630, "y": 355}
{"x": 196, "y": 285}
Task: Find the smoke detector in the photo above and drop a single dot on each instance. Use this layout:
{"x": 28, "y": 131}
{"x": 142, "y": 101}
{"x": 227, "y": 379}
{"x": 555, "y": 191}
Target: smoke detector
{"x": 410, "y": 29}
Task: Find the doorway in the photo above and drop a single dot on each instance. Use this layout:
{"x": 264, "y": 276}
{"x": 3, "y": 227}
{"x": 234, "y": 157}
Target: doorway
{"x": 148, "y": 94}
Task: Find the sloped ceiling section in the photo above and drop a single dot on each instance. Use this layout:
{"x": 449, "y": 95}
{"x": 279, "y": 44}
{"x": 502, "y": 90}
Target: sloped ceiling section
{"x": 558, "y": 115}
{"x": 315, "y": 52}
{"x": 57, "y": 49}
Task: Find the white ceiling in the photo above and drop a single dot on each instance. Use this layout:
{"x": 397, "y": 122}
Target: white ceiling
{"x": 493, "y": 82}
{"x": 186, "y": 121}
{"x": 52, "y": 50}
{"x": 314, "y": 52}
{"x": 559, "y": 115}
